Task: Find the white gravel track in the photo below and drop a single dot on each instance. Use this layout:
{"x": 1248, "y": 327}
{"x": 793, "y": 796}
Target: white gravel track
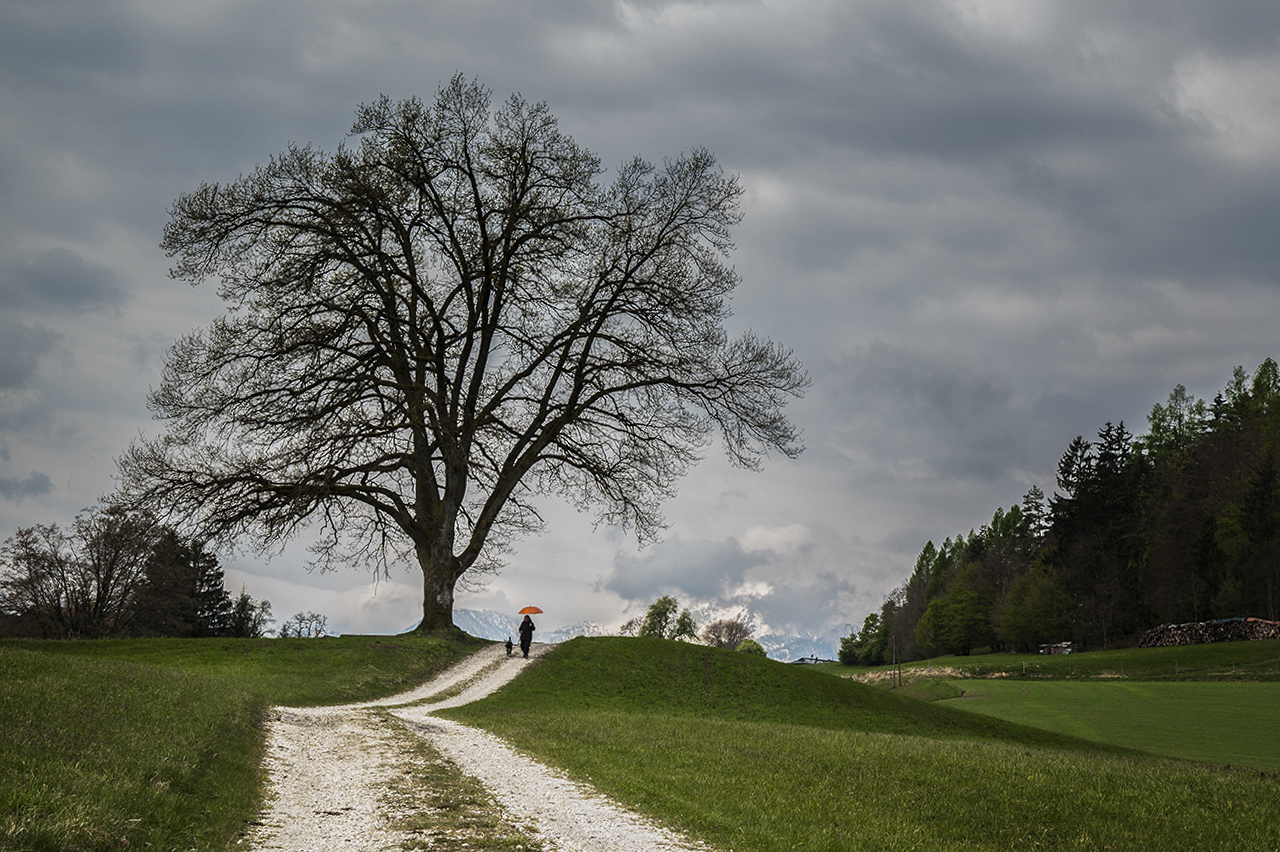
{"x": 330, "y": 767}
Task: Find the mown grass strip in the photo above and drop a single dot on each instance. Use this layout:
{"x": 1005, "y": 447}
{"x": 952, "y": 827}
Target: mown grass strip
{"x": 1231, "y": 723}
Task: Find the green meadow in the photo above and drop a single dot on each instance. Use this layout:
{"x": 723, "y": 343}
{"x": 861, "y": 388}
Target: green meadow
{"x": 157, "y": 744}
{"x": 750, "y": 754}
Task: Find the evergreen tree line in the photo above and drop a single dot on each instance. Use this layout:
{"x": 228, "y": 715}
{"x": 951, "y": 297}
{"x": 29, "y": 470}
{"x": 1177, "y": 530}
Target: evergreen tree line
{"x": 116, "y": 573}
{"x": 1180, "y": 524}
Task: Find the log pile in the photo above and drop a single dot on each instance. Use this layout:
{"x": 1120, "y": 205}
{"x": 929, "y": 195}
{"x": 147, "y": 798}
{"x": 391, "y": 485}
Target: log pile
{"x": 1201, "y": 632}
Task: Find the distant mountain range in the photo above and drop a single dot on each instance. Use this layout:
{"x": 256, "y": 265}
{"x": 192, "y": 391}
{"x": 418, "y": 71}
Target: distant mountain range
{"x": 497, "y": 626}
{"x": 822, "y": 646}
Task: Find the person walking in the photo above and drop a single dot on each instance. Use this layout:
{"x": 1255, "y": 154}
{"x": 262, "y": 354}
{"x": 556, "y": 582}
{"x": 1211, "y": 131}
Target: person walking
{"x": 526, "y": 635}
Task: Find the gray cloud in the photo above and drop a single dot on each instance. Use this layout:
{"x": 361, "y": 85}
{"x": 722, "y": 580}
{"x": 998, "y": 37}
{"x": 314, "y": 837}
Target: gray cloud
{"x": 986, "y": 227}
{"x": 783, "y": 577}
{"x": 21, "y": 348}
{"x": 34, "y": 485}
{"x": 906, "y": 403}
{"x": 702, "y": 569}
{"x": 60, "y": 279}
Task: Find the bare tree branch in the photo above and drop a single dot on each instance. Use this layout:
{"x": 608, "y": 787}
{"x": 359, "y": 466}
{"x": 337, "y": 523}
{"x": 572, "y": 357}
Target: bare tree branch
{"x": 436, "y": 324}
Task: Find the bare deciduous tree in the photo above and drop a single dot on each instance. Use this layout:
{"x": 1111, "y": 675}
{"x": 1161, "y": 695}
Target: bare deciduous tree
{"x": 436, "y": 325}
{"x": 726, "y": 633}
{"x": 79, "y": 582}
{"x": 305, "y": 625}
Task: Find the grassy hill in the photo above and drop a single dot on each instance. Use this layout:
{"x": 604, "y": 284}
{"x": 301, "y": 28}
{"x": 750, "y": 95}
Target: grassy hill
{"x": 644, "y": 676}
{"x": 158, "y": 742}
{"x": 750, "y": 754}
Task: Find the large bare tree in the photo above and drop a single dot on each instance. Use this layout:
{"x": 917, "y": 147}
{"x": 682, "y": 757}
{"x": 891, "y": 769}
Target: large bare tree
{"x": 443, "y": 320}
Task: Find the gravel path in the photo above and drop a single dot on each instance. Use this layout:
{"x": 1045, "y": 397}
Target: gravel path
{"x": 331, "y": 767}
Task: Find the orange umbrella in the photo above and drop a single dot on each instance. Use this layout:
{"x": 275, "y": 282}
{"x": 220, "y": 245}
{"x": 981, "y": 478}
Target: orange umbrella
{"x": 530, "y": 610}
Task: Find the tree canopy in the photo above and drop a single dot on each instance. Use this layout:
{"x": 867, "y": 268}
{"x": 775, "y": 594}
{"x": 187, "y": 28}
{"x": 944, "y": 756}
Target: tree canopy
{"x": 661, "y": 621}
{"x": 432, "y": 326}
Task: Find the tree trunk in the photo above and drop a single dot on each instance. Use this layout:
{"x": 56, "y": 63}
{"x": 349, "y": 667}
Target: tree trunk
{"x": 437, "y": 597}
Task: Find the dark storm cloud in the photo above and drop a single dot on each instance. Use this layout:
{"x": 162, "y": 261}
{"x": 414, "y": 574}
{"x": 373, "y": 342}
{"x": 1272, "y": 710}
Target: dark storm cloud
{"x": 1067, "y": 124}
{"x": 34, "y": 485}
{"x": 907, "y": 403}
{"x": 21, "y": 348}
{"x": 986, "y": 226}
{"x": 60, "y": 279}
{"x": 701, "y": 569}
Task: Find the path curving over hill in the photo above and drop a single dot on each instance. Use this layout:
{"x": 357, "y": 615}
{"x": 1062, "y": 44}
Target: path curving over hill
{"x": 332, "y": 771}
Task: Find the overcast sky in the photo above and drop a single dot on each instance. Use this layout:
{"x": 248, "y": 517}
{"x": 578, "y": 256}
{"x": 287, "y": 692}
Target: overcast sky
{"x": 985, "y": 227}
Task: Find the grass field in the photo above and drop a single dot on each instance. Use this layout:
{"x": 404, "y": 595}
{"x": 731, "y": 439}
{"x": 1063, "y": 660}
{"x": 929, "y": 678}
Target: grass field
{"x": 1227, "y": 661}
{"x": 156, "y": 744}
{"x": 1217, "y": 703}
{"x": 756, "y": 756}
{"x": 1232, "y": 723}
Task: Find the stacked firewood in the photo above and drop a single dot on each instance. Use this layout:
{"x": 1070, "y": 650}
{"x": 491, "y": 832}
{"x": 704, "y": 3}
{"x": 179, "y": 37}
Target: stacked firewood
{"x": 1200, "y": 632}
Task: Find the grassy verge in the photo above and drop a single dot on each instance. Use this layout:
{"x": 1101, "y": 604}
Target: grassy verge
{"x": 447, "y": 811}
{"x": 104, "y": 754}
{"x": 157, "y": 744}
{"x": 756, "y": 756}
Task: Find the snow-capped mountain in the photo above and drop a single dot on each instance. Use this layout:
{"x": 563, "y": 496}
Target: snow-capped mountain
{"x": 487, "y": 624}
{"x": 497, "y": 626}
{"x": 824, "y": 646}
{"x": 572, "y": 631}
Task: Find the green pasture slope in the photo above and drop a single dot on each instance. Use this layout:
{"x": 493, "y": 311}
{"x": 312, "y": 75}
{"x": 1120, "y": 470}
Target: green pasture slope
{"x": 157, "y": 744}
{"x": 1218, "y": 703}
{"x": 753, "y": 755}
